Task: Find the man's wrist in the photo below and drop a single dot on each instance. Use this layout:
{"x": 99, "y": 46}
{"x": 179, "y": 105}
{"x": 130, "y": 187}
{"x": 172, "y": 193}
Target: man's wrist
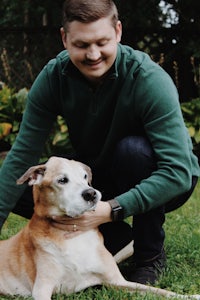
{"x": 117, "y": 212}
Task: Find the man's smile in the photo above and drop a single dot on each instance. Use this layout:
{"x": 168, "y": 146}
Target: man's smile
{"x": 93, "y": 63}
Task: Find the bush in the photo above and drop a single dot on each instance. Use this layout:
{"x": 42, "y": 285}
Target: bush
{"x": 12, "y": 105}
{"x": 191, "y": 114}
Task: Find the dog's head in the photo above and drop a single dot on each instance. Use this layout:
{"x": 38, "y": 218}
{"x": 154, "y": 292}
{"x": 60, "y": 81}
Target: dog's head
{"x": 61, "y": 187}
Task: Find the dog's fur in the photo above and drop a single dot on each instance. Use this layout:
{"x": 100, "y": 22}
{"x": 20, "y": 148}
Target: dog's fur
{"x": 39, "y": 261}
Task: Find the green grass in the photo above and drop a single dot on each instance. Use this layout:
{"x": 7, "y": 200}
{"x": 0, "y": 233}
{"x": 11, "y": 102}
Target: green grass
{"x": 182, "y": 247}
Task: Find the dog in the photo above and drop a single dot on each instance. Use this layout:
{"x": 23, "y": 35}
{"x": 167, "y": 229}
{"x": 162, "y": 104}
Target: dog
{"x": 39, "y": 261}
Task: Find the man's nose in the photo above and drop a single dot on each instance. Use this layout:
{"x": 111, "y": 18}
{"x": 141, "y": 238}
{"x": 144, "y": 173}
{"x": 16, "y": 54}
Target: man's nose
{"x": 93, "y": 53}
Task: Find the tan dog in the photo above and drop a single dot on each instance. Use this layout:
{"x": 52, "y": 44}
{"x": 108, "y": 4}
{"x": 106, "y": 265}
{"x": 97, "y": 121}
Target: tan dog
{"x": 39, "y": 261}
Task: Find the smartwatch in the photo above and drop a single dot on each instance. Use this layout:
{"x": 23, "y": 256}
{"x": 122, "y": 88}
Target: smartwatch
{"x": 117, "y": 213}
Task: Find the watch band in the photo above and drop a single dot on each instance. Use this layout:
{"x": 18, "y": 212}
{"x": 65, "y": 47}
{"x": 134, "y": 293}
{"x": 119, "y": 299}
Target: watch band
{"x": 117, "y": 213}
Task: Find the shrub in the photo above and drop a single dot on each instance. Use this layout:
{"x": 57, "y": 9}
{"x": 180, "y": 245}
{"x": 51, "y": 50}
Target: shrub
{"x": 12, "y": 105}
{"x": 191, "y": 114}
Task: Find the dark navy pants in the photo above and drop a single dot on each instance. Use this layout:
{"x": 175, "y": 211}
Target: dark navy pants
{"x": 132, "y": 161}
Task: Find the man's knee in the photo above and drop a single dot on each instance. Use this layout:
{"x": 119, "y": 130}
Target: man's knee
{"x": 134, "y": 146}
{"x": 133, "y": 161}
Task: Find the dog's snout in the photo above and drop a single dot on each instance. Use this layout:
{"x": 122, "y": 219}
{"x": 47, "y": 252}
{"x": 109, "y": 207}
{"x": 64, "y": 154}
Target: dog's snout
{"x": 89, "y": 194}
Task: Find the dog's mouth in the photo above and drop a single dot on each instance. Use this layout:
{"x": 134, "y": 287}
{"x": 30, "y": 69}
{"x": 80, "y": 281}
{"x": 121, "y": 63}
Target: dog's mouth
{"x": 92, "y": 208}
{"x": 77, "y": 212}
{"x": 78, "y": 209}
{"x": 86, "y": 201}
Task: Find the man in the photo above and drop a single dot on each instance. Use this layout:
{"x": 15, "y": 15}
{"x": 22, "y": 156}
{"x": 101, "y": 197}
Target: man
{"x": 124, "y": 121}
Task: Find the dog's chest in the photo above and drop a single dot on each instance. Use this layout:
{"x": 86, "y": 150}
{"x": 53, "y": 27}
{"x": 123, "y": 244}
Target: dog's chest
{"x": 75, "y": 261}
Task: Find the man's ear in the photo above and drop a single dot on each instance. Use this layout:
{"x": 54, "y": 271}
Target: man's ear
{"x": 118, "y": 30}
{"x": 63, "y": 36}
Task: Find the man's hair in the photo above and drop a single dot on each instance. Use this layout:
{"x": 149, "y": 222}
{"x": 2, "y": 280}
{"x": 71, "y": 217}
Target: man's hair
{"x": 87, "y": 11}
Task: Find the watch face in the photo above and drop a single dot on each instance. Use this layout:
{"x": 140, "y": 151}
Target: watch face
{"x": 117, "y": 210}
{"x": 117, "y": 213}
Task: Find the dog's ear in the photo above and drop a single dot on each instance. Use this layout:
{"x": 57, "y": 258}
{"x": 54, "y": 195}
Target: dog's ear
{"x": 33, "y": 175}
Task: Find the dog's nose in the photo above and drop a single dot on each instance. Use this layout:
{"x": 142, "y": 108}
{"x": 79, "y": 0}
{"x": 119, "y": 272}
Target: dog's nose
{"x": 89, "y": 194}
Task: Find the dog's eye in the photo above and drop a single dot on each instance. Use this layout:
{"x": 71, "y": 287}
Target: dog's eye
{"x": 85, "y": 176}
{"x": 63, "y": 180}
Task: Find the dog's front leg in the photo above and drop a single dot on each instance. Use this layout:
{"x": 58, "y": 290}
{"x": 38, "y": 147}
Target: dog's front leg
{"x": 43, "y": 292}
{"x": 43, "y": 288}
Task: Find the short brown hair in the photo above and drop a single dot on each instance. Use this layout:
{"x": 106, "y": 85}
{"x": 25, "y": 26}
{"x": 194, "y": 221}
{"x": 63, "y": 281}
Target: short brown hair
{"x": 87, "y": 11}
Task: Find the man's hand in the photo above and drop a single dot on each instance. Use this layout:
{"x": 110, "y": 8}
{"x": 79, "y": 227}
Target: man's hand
{"x": 87, "y": 221}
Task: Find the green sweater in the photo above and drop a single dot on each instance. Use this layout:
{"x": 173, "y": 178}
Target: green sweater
{"x": 136, "y": 98}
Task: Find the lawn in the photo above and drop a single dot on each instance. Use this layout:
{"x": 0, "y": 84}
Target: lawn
{"x": 182, "y": 247}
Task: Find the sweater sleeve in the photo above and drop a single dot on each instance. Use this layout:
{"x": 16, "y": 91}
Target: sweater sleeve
{"x": 158, "y": 108}
{"x": 38, "y": 118}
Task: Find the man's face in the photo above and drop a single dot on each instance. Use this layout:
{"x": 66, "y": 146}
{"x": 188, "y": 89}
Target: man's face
{"x": 92, "y": 46}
